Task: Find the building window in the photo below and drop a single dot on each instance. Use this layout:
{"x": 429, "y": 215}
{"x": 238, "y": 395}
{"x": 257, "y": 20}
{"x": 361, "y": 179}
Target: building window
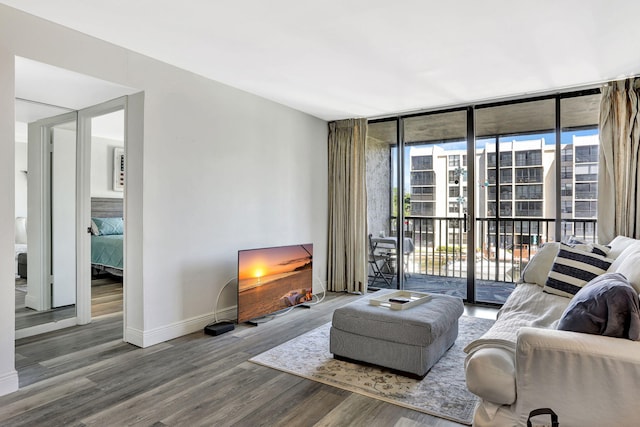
{"x": 491, "y": 209}
{"x": 529, "y": 158}
{"x": 506, "y": 209}
{"x": 566, "y": 190}
{"x": 422, "y": 193}
{"x": 454, "y": 161}
{"x": 491, "y": 160}
{"x": 422, "y": 208}
{"x": 567, "y": 154}
{"x": 454, "y": 191}
{"x": 566, "y": 206}
{"x": 566, "y": 172}
{"x": 454, "y": 207}
{"x": 528, "y": 208}
{"x": 528, "y": 192}
{"x": 524, "y": 175}
{"x": 491, "y": 193}
{"x": 423, "y": 178}
{"x": 586, "y": 172}
{"x": 585, "y": 209}
{"x": 587, "y": 154}
{"x": 506, "y": 159}
{"x": 506, "y": 176}
{"x": 587, "y": 190}
{"x": 506, "y": 192}
{"x": 421, "y": 162}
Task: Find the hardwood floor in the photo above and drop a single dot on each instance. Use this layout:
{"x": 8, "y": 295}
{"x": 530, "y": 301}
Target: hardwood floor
{"x": 106, "y": 298}
{"x": 86, "y": 375}
{"x": 106, "y": 295}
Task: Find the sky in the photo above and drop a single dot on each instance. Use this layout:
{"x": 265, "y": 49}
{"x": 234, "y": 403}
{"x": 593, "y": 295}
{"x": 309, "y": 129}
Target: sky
{"x": 267, "y": 261}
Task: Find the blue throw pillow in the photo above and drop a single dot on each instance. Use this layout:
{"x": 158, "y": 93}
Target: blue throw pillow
{"x": 608, "y": 305}
{"x": 107, "y": 226}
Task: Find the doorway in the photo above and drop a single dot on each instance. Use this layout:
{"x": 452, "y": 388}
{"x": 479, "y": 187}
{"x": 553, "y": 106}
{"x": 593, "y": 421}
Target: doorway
{"x": 78, "y": 216}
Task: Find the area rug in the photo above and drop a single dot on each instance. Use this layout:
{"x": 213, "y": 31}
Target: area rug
{"x": 442, "y": 393}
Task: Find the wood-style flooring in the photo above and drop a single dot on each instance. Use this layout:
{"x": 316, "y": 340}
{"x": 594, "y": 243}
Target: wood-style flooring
{"x": 86, "y": 375}
{"x": 106, "y": 298}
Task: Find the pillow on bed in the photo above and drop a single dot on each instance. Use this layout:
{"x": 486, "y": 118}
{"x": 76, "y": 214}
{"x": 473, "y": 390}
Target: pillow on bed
{"x": 107, "y": 226}
{"x": 572, "y": 269}
{"x": 607, "y": 305}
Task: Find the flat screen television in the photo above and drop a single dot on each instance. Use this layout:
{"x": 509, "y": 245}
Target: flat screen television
{"x": 273, "y": 279}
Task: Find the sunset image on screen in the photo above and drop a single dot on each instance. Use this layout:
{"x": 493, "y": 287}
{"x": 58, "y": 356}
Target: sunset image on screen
{"x": 271, "y": 279}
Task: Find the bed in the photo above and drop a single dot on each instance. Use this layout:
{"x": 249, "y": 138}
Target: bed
{"x": 107, "y": 227}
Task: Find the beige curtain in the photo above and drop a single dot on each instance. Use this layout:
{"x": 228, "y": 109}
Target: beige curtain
{"x": 618, "y": 173}
{"x": 347, "y": 257}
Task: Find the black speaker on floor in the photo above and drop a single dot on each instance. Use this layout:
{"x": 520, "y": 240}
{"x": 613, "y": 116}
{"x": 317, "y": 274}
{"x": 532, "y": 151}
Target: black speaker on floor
{"x": 219, "y": 328}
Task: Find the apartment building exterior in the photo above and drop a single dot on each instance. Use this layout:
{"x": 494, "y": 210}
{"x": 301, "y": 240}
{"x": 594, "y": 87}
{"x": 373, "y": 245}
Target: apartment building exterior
{"x": 515, "y": 190}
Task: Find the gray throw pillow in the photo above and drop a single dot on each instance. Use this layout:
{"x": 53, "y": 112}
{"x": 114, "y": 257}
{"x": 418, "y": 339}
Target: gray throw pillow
{"x": 608, "y": 305}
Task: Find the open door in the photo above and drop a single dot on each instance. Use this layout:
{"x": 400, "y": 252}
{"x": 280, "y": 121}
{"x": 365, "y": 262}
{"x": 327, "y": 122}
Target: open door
{"x": 51, "y": 233}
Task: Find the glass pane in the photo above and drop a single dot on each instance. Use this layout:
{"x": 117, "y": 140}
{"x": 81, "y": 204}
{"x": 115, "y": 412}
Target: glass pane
{"x": 436, "y": 159}
{"x": 579, "y": 168}
{"x": 515, "y": 148}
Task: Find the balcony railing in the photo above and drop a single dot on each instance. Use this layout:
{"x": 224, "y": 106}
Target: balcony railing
{"x": 503, "y": 246}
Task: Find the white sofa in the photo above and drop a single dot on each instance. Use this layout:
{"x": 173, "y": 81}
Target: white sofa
{"x": 524, "y": 362}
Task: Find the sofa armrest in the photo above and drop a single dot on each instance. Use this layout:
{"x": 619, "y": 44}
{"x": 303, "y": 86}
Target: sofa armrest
{"x": 588, "y": 380}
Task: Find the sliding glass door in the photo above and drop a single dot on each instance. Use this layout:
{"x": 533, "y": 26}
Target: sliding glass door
{"x": 466, "y": 196}
{"x": 435, "y": 225}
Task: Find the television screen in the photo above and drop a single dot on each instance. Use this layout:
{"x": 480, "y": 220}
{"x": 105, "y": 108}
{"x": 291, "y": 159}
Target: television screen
{"x": 272, "y": 279}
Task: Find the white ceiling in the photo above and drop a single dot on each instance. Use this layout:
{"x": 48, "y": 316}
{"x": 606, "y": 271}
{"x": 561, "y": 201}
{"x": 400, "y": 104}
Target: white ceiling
{"x": 364, "y": 58}
{"x": 43, "y": 90}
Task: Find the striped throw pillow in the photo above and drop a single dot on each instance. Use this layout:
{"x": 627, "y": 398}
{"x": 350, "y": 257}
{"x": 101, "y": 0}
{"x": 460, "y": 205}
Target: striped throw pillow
{"x": 572, "y": 269}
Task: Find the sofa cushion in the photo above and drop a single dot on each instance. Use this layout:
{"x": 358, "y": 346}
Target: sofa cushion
{"x": 629, "y": 267}
{"x": 572, "y": 269}
{"x": 619, "y": 244}
{"x": 607, "y": 305}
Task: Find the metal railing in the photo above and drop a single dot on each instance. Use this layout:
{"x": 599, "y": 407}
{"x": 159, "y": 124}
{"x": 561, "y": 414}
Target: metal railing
{"x": 503, "y": 246}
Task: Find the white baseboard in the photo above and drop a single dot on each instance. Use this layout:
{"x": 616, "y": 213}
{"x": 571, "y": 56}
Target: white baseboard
{"x": 46, "y": 327}
{"x": 165, "y": 333}
{"x": 8, "y": 382}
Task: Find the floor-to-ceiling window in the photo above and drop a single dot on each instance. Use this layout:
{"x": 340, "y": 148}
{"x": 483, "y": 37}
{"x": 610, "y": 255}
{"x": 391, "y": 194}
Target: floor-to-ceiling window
{"x": 466, "y": 218}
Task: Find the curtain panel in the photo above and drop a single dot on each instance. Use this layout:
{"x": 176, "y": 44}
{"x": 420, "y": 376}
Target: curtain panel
{"x": 618, "y": 174}
{"x": 347, "y": 257}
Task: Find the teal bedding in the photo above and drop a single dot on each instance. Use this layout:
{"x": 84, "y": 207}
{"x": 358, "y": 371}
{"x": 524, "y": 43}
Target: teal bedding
{"x": 107, "y": 251}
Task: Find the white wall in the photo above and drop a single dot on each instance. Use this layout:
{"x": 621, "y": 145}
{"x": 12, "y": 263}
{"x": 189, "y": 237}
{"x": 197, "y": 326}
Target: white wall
{"x": 102, "y": 167}
{"x": 219, "y": 170}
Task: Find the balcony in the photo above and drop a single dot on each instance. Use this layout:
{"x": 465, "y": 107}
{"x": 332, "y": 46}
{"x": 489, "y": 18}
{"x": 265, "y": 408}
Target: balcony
{"x": 439, "y": 260}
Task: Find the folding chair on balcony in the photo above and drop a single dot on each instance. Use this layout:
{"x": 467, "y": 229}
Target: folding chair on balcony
{"x": 382, "y": 264}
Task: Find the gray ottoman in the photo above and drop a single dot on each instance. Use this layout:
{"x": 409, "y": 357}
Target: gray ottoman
{"x": 410, "y": 341}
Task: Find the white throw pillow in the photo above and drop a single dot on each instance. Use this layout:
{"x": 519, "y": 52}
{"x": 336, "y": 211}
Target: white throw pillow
{"x": 539, "y": 266}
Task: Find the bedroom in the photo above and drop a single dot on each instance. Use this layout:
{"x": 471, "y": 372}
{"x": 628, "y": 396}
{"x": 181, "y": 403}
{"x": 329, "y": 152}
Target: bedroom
{"x": 33, "y": 313}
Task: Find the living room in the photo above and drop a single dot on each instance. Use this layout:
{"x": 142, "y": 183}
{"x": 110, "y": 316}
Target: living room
{"x": 206, "y": 162}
